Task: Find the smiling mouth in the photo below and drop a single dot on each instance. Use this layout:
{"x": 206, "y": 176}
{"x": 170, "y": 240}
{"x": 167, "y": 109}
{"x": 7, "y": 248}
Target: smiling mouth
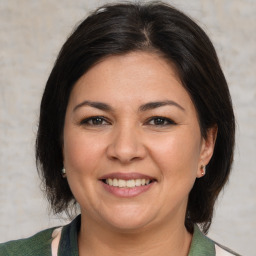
{"x": 120, "y": 183}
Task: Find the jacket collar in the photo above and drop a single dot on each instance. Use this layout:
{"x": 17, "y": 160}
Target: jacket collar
{"x": 68, "y": 246}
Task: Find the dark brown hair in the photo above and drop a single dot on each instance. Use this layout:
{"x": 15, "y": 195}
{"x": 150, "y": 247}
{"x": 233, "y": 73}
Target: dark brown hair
{"x": 120, "y": 28}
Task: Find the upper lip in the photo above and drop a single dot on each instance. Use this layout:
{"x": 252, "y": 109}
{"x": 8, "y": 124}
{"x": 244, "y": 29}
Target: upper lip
{"x": 126, "y": 176}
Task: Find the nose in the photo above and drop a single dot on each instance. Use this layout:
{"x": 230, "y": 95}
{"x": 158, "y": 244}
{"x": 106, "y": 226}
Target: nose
{"x": 126, "y": 145}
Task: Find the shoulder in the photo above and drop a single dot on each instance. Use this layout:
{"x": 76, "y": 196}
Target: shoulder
{"x": 224, "y": 251}
{"x": 38, "y": 244}
{"x": 204, "y": 246}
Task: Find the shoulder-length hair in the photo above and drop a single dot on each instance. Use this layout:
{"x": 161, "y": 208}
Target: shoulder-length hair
{"x": 120, "y": 28}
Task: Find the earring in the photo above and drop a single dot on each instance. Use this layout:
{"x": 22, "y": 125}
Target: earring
{"x": 63, "y": 172}
{"x": 203, "y": 171}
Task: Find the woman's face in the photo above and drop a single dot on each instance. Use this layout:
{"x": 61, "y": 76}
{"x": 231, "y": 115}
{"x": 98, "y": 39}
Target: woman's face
{"x": 132, "y": 143}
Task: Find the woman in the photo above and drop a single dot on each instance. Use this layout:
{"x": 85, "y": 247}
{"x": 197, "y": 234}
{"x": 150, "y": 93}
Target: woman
{"x": 137, "y": 128}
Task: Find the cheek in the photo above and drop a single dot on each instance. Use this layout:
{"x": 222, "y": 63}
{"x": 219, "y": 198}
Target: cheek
{"x": 81, "y": 153}
{"x": 177, "y": 154}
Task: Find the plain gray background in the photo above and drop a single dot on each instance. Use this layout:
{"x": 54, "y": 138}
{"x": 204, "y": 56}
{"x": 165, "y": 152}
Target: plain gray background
{"x": 31, "y": 34}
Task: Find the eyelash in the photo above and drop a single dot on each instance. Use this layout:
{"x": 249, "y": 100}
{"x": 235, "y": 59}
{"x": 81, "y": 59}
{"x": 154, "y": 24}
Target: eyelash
{"x": 158, "y": 121}
{"x": 90, "y": 121}
{"x": 164, "y": 121}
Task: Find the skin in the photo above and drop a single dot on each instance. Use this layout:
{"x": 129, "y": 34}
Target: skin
{"x": 128, "y": 139}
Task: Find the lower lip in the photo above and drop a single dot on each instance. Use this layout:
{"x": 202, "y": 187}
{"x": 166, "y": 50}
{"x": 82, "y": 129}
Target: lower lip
{"x": 127, "y": 192}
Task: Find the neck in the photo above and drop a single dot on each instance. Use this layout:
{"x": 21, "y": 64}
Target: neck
{"x": 166, "y": 239}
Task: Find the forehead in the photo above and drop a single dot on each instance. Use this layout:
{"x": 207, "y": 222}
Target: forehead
{"x": 133, "y": 77}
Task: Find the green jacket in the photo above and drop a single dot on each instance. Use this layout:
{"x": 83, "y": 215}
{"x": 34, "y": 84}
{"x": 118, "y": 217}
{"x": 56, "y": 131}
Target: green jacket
{"x": 41, "y": 244}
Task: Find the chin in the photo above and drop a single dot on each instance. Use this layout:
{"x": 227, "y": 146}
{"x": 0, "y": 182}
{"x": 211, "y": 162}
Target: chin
{"x": 128, "y": 226}
{"x": 129, "y": 220}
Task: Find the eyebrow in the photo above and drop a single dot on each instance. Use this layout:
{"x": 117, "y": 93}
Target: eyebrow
{"x": 94, "y": 104}
{"x": 142, "y": 108}
{"x": 157, "y": 104}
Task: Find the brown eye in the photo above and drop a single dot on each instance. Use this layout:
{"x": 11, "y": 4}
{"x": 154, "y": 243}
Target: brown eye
{"x": 95, "y": 121}
{"x": 160, "y": 121}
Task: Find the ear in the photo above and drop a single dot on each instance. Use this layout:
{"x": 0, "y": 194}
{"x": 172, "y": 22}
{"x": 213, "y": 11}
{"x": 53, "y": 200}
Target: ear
{"x": 207, "y": 149}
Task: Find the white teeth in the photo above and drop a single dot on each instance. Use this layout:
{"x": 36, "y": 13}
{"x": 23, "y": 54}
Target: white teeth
{"x": 110, "y": 182}
{"x": 137, "y": 183}
{"x": 121, "y": 183}
{"x": 130, "y": 183}
{"x": 127, "y": 183}
{"x": 115, "y": 183}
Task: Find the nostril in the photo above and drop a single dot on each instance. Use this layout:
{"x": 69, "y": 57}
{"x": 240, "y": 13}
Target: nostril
{"x": 126, "y": 148}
